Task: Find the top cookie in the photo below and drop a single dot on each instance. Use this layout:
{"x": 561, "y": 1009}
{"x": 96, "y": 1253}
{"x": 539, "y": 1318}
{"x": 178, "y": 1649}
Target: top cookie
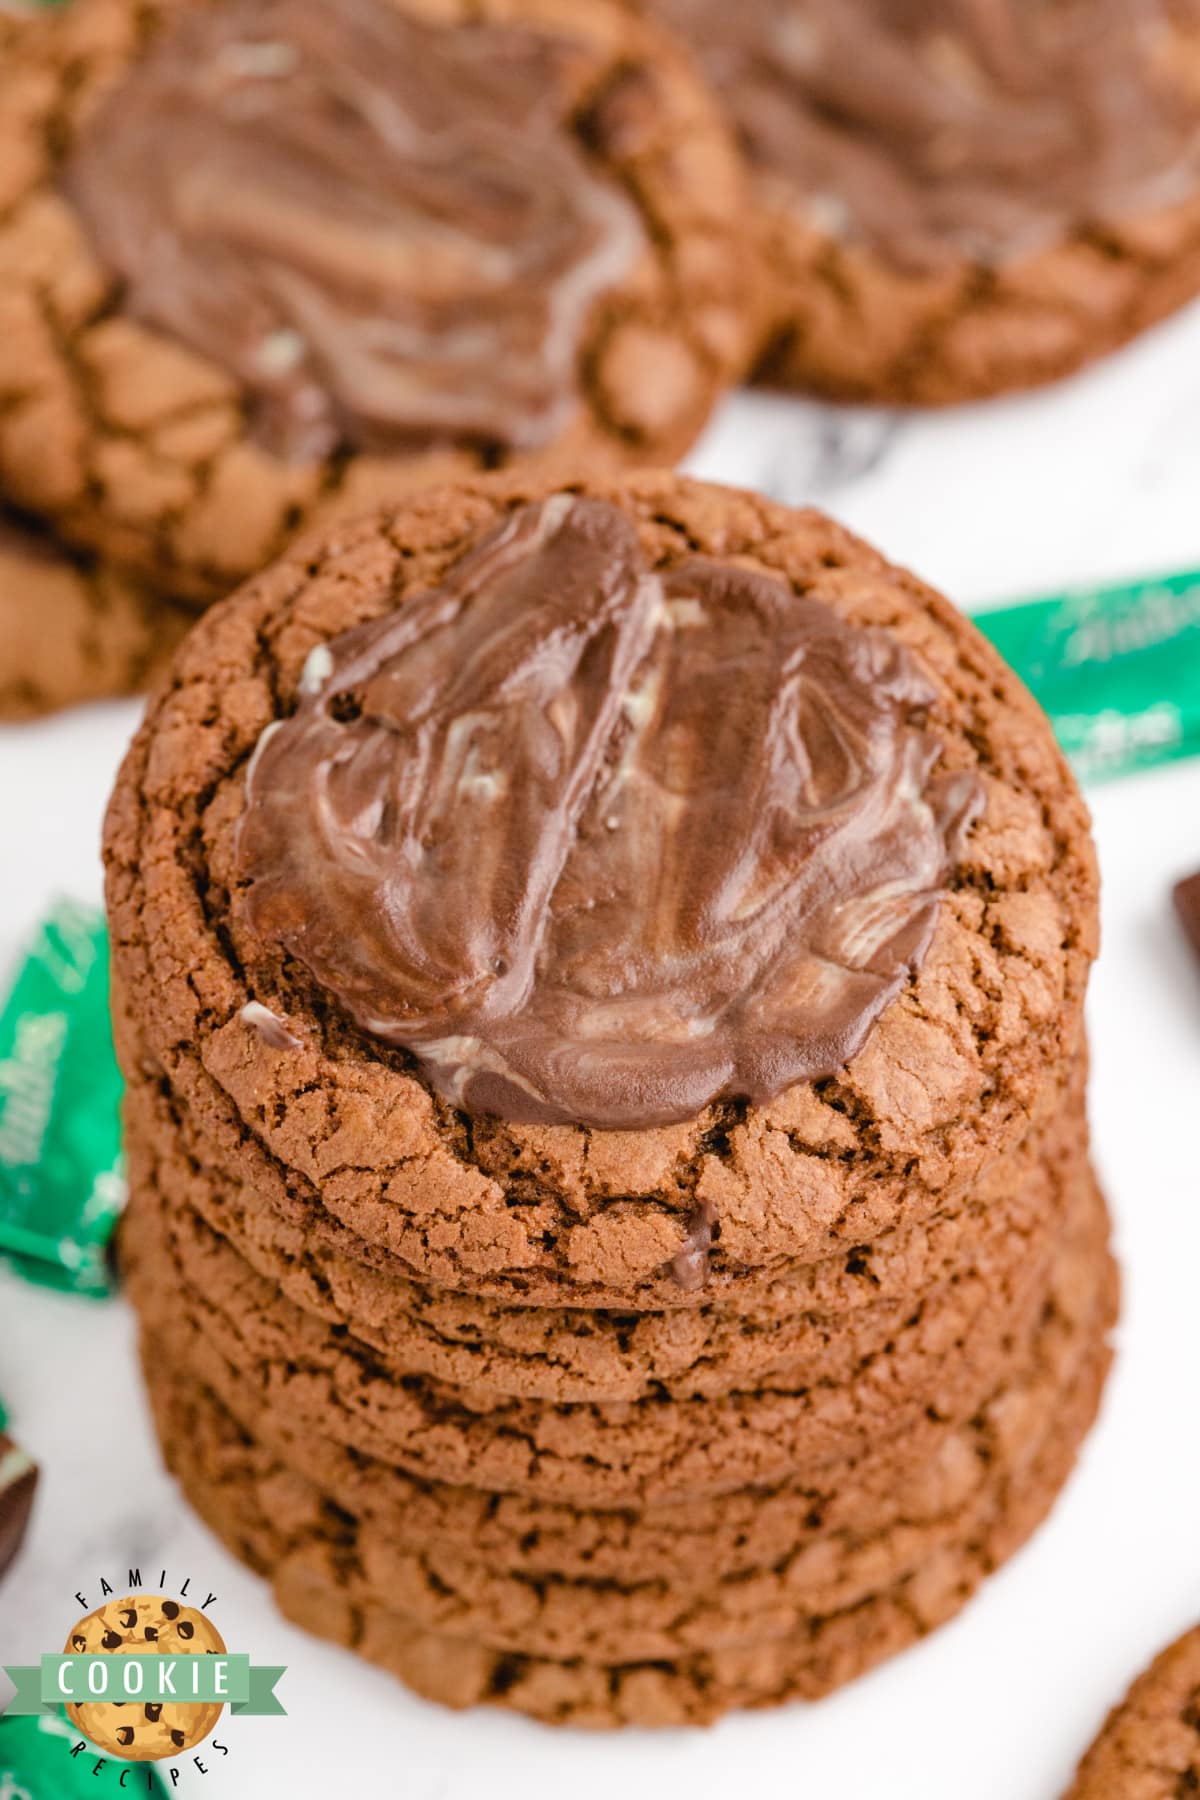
{"x": 959, "y": 199}
{"x": 263, "y": 262}
{"x": 610, "y": 892}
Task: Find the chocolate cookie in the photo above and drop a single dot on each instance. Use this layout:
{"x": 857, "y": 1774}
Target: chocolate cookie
{"x": 264, "y": 263}
{"x": 249, "y": 1197}
{"x": 324, "y": 1581}
{"x": 463, "y": 1597}
{"x": 705, "y": 1607}
{"x": 929, "y": 1472}
{"x": 1149, "y": 1748}
{"x": 826, "y": 1653}
{"x": 816, "y": 1325}
{"x": 137, "y": 1625}
{"x": 18, "y": 1484}
{"x": 955, "y": 1016}
{"x": 956, "y": 201}
{"x": 72, "y": 629}
{"x": 943, "y": 1356}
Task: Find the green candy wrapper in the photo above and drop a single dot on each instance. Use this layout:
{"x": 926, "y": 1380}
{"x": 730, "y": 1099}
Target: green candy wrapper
{"x": 62, "y": 1183}
{"x": 1116, "y": 668}
{"x": 36, "y": 1764}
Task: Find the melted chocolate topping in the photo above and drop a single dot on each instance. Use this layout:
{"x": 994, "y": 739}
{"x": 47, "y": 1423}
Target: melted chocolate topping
{"x": 933, "y": 130}
{"x": 598, "y": 843}
{"x": 384, "y": 228}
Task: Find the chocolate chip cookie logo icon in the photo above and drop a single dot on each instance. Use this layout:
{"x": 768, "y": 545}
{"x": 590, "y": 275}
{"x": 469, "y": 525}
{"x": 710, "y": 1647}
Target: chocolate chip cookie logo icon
{"x": 128, "y": 1726}
{"x": 145, "y": 1678}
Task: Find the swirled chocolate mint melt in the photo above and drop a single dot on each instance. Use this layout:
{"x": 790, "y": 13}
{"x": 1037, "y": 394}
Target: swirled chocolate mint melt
{"x": 381, "y": 226}
{"x": 600, "y": 842}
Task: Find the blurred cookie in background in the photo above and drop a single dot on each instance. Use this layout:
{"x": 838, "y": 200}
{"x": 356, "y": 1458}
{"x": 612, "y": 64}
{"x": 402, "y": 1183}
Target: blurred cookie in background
{"x": 72, "y": 629}
{"x": 1149, "y": 1748}
{"x": 265, "y": 260}
{"x": 958, "y": 199}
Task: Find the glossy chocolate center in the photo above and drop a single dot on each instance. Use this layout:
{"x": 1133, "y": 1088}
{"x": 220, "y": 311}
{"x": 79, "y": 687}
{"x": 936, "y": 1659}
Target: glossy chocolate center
{"x": 599, "y": 842}
{"x": 937, "y": 130}
{"x": 384, "y": 228}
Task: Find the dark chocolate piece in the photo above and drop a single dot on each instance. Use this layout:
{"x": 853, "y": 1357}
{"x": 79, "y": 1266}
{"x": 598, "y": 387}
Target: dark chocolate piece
{"x": 18, "y": 1480}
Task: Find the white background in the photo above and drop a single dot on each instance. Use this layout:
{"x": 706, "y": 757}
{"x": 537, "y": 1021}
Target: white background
{"x": 1099, "y": 477}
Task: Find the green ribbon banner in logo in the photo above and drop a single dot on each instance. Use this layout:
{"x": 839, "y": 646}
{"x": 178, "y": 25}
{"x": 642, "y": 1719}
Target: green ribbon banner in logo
{"x": 232, "y": 1681}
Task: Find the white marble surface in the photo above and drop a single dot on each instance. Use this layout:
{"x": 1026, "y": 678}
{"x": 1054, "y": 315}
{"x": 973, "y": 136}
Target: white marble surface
{"x": 1097, "y": 478}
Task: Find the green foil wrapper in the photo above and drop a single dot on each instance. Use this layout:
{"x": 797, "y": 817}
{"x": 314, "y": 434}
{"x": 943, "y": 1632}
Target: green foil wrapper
{"x": 36, "y": 1764}
{"x": 1116, "y": 668}
{"x": 62, "y": 1182}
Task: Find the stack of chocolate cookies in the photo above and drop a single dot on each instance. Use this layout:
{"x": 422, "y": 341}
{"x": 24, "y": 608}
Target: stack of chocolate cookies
{"x": 599, "y": 973}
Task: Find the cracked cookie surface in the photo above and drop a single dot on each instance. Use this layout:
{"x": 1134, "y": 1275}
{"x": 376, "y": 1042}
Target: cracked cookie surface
{"x": 1149, "y": 1748}
{"x": 318, "y": 1116}
{"x": 692, "y": 1648}
{"x": 822, "y": 1319}
{"x": 73, "y": 629}
{"x": 943, "y": 1355}
{"x": 137, "y": 440}
{"x": 912, "y": 1480}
